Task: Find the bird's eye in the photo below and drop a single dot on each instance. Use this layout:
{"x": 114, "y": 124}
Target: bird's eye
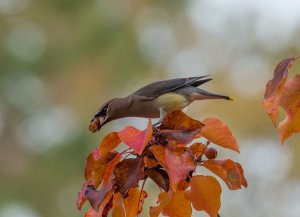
{"x": 101, "y": 113}
{"x": 104, "y": 110}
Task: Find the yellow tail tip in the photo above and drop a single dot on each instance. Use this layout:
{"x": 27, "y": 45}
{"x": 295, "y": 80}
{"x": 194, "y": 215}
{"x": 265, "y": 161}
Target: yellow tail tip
{"x": 231, "y": 99}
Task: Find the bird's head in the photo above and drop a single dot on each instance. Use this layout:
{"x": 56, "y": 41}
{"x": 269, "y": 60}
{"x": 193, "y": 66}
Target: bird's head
{"x": 103, "y": 116}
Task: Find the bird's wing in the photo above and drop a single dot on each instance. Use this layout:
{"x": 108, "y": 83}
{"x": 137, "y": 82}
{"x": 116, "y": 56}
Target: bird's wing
{"x": 158, "y": 88}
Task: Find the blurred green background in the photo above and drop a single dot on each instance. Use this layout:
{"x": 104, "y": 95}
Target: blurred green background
{"x": 61, "y": 59}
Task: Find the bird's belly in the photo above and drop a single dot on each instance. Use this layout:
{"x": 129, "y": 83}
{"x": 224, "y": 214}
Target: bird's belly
{"x": 170, "y": 102}
{"x": 144, "y": 108}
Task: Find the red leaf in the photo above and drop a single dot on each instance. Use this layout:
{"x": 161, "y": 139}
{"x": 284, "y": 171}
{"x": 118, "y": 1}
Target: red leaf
{"x": 275, "y": 87}
{"x": 128, "y": 173}
{"x": 107, "y": 207}
{"x": 181, "y": 136}
{"x": 91, "y": 213}
{"x": 81, "y": 198}
{"x": 101, "y": 201}
{"x": 160, "y": 177}
{"x": 98, "y": 199}
{"x": 217, "y": 132}
{"x": 230, "y": 172}
{"x": 290, "y": 101}
{"x": 204, "y": 193}
{"x": 178, "y": 163}
{"x": 136, "y": 139}
{"x": 95, "y": 168}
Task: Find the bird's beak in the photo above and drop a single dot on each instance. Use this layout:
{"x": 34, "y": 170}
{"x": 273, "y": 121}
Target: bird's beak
{"x": 96, "y": 123}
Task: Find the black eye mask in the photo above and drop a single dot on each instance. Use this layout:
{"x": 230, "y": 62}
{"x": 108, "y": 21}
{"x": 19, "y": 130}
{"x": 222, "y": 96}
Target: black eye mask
{"x": 99, "y": 118}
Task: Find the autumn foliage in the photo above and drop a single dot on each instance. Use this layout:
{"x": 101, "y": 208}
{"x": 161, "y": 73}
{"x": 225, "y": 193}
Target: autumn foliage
{"x": 168, "y": 156}
{"x": 281, "y": 92}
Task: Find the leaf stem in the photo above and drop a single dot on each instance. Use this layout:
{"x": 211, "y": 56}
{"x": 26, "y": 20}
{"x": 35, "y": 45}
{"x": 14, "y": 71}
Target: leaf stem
{"x": 123, "y": 152}
{"x": 127, "y": 155}
{"x": 142, "y": 189}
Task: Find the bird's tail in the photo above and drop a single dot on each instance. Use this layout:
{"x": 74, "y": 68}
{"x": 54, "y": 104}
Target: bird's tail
{"x": 202, "y": 94}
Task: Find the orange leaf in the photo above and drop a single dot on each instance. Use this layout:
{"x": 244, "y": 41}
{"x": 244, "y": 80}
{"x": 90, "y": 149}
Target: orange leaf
{"x": 243, "y": 181}
{"x": 174, "y": 204}
{"x": 118, "y": 209}
{"x": 178, "y": 163}
{"x": 179, "y": 121}
{"x": 162, "y": 201}
{"x": 149, "y": 162}
{"x": 205, "y": 194}
{"x": 230, "y": 172}
{"x": 134, "y": 201}
{"x": 129, "y": 206}
{"x": 109, "y": 170}
{"x": 290, "y": 101}
{"x": 274, "y": 88}
{"x": 136, "y": 139}
{"x": 198, "y": 149}
{"x": 109, "y": 143}
{"x": 178, "y": 206}
{"x": 217, "y": 132}
{"x": 94, "y": 169}
{"x": 183, "y": 185}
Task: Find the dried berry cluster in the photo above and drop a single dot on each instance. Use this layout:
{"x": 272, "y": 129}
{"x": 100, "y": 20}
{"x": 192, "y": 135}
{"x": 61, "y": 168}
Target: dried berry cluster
{"x": 165, "y": 156}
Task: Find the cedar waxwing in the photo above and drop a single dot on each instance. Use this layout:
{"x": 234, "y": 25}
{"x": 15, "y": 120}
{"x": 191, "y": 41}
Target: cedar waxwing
{"x": 154, "y": 100}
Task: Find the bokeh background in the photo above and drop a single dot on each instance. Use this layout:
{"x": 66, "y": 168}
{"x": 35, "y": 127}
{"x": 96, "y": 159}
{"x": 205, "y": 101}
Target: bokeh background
{"x": 61, "y": 59}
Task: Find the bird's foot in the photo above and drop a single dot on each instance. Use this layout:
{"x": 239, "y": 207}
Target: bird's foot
{"x": 156, "y": 124}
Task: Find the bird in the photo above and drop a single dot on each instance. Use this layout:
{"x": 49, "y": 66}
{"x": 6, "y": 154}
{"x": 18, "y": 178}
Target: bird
{"x": 154, "y": 100}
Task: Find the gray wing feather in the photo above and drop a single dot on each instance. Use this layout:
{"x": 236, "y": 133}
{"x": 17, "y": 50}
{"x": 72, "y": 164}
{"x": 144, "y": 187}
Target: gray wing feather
{"x": 158, "y": 88}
